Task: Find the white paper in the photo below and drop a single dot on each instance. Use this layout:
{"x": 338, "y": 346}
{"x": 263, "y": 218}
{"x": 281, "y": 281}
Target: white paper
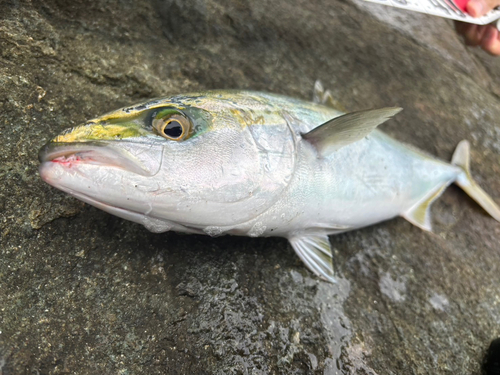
{"x": 441, "y": 8}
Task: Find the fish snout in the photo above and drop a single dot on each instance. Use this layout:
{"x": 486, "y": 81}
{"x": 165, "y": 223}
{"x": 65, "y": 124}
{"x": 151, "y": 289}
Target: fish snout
{"x": 134, "y": 157}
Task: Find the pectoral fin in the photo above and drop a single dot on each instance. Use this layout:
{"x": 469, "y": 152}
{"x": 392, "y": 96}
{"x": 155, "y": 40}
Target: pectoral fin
{"x": 316, "y": 253}
{"x": 346, "y": 129}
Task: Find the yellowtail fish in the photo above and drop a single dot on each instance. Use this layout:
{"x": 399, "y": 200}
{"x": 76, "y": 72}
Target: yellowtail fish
{"x": 253, "y": 164}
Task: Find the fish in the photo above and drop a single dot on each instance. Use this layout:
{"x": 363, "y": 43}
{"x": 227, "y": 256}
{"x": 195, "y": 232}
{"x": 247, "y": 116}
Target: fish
{"x": 253, "y": 164}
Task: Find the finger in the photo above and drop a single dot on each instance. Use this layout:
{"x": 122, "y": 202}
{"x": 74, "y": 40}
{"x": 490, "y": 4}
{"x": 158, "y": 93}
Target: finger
{"x": 481, "y": 30}
{"x": 471, "y": 35}
{"x": 490, "y": 41}
{"x": 478, "y": 8}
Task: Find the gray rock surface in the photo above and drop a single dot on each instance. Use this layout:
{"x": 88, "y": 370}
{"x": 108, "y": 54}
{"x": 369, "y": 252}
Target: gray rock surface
{"x": 83, "y": 292}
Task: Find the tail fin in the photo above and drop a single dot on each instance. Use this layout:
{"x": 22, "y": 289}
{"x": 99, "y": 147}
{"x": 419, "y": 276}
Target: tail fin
{"x": 465, "y": 181}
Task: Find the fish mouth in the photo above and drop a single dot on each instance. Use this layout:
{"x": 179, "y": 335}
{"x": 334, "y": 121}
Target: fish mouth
{"x": 100, "y": 154}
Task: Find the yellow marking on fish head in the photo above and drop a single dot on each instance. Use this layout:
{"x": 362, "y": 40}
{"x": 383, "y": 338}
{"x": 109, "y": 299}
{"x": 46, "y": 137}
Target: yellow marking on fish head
{"x": 137, "y": 121}
{"x": 208, "y": 112}
{"x": 101, "y": 131}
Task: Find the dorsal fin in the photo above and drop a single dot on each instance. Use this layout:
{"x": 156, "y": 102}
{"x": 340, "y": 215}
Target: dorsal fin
{"x": 325, "y": 97}
{"x": 346, "y": 129}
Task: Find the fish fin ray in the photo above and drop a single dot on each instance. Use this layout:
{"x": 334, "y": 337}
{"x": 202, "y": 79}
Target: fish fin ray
{"x": 420, "y": 213}
{"x": 322, "y": 96}
{"x": 315, "y": 251}
{"x": 346, "y": 129}
{"x": 318, "y": 92}
{"x": 461, "y": 158}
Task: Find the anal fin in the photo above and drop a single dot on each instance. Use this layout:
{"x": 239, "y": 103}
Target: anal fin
{"x": 419, "y": 214}
{"x": 316, "y": 253}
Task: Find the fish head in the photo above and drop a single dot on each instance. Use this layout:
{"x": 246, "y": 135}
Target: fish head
{"x": 214, "y": 159}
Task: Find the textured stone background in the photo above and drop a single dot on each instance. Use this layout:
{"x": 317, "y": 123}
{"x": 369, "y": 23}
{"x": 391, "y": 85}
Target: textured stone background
{"x": 84, "y": 292}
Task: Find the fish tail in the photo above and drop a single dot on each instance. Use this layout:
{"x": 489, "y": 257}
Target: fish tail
{"x": 461, "y": 158}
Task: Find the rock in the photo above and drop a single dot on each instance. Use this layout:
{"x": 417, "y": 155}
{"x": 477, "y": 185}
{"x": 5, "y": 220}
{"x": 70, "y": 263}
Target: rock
{"x": 85, "y": 292}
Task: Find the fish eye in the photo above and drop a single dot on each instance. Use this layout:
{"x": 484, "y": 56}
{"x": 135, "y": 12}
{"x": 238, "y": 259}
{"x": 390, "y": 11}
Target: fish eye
{"x": 172, "y": 126}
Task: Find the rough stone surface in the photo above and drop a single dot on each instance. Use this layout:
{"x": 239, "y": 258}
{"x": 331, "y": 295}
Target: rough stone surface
{"x": 84, "y": 292}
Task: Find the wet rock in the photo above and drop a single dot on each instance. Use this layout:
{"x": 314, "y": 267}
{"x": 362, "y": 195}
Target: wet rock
{"x": 85, "y": 292}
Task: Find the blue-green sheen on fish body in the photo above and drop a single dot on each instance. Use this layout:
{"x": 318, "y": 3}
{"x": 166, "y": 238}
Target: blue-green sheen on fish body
{"x": 252, "y": 164}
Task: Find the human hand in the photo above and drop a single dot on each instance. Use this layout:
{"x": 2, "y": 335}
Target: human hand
{"x": 485, "y": 36}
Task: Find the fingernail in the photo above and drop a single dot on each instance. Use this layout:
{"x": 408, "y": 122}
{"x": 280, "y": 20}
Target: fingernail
{"x": 475, "y": 8}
